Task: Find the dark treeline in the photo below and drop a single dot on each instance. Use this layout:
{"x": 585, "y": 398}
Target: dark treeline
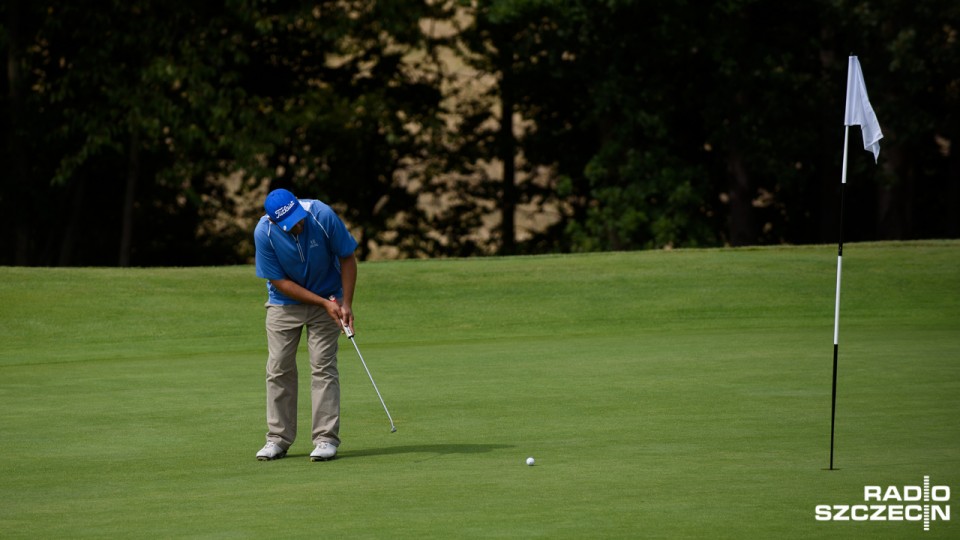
{"x": 146, "y": 132}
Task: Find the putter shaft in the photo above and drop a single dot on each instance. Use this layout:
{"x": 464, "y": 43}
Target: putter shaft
{"x": 350, "y": 334}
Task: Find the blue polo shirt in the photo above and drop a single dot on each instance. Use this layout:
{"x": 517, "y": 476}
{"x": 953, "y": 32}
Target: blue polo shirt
{"x": 311, "y": 259}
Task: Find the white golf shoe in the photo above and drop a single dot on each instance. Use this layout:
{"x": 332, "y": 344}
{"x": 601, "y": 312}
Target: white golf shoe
{"x": 271, "y": 451}
{"x": 323, "y": 452}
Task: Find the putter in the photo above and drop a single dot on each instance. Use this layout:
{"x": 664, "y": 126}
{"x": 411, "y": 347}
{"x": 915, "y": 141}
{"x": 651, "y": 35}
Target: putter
{"x": 349, "y": 333}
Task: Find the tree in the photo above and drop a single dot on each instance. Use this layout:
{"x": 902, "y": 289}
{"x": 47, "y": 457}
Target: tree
{"x": 128, "y": 131}
{"x": 129, "y": 114}
{"x": 356, "y": 98}
{"x": 505, "y": 40}
{"x": 140, "y": 107}
{"x": 669, "y": 124}
{"x": 911, "y": 57}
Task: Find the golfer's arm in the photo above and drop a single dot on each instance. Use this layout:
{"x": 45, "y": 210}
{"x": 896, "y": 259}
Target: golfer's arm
{"x": 291, "y": 289}
{"x": 348, "y": 275}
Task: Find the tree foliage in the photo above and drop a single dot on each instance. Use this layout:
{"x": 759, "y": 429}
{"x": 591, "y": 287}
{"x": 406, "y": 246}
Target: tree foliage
{"x": 146, "y": 132}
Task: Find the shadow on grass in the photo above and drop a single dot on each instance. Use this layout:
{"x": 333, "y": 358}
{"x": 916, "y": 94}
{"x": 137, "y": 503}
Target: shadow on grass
{"x": 429, "y": 451}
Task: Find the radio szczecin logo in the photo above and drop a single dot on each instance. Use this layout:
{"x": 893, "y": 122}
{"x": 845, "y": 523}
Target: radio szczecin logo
{"x": 924, "y": 503}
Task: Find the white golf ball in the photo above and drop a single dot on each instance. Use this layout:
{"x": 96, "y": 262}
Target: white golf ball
{"x": 530, "y": 461}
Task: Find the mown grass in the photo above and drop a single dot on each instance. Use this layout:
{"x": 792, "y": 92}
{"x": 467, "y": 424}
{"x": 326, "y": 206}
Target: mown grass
{"x": 668, "y": 394}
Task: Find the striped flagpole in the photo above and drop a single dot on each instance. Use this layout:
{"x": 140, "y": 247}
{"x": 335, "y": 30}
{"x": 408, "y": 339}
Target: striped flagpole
{"x": 836, "y": 312}
{"x": 857, "y": 112}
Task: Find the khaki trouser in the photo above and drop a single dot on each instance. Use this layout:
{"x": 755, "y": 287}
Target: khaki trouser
{"x": 284, "y": 327}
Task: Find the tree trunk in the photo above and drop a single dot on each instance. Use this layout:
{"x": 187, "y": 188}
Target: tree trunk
{"x": 68, "y": 241}
{"x": 508, "y": 201}
{"x": 17, "y": 183}
{"x": 892, "y": 198}
{"x": 742, "y": 229}
{"x": 133, "y": 171}
{"x": 952, "y": 214}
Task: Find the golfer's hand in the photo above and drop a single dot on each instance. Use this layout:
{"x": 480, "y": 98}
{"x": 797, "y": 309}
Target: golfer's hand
{"x": 333, "y": 310}
{"x": 346, "y": 316}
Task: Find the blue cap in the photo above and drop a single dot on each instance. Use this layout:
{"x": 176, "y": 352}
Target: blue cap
{"x": 284, "y": 209}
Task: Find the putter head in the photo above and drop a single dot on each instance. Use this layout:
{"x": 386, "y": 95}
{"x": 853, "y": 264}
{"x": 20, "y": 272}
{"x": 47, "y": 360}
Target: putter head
{"x": 393, "y": 429}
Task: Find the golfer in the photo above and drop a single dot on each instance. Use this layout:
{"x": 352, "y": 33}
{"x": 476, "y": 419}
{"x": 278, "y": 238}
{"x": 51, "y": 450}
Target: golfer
{"x": 305, "y": 253}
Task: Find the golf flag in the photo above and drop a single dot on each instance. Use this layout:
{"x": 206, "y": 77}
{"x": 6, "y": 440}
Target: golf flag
{"x": 859, "y": 112}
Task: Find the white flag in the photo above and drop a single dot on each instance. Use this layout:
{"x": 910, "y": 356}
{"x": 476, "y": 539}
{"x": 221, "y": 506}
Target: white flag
{"x": 859, "y": 112}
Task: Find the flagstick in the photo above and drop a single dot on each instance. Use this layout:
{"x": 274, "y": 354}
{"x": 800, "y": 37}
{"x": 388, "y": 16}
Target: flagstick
{"x": 836, "y": 313}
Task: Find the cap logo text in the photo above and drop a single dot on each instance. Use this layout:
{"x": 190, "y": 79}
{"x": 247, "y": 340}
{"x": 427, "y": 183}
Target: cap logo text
{"x": 280, "y": 212}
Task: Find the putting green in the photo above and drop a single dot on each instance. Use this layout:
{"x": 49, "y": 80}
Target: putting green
{"x": 664, "y": 394}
